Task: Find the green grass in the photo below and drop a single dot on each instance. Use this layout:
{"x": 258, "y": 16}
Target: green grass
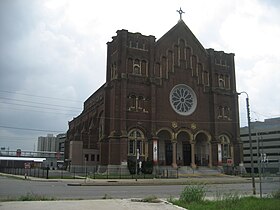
{"x": 29, "y": 197}
{"x": 193, "y": 198}
{"x": 245, "y": 203}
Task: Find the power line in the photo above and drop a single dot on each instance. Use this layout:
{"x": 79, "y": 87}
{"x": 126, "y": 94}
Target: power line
{"x": 30, "y": 129}
{"x": 39, "y": 111}
{"x": 33, "y": 102}
{"x": 25, "y": 94}
{"x": 40, "y": 107}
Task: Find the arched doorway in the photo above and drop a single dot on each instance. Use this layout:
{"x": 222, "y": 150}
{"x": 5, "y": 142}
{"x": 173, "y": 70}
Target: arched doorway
{"x": 201, "y": 150}
{"x": 165, "y": 148}
{"x": 184, "y": 149}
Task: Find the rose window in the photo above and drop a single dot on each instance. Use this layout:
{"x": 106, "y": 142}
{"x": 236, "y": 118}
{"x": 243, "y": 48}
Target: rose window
{"x": 183, "y": 99}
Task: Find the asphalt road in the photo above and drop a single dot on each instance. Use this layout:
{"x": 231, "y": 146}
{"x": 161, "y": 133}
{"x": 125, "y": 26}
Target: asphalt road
{"x": 12, "y": 188}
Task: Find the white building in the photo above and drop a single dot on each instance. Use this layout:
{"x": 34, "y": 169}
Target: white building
{"x": 47, "y": 143}
{"x": 52, "y": 147}
{"x": 266, "y": 136}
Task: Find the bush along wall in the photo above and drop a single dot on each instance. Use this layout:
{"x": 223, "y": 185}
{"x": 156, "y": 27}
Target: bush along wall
{"x": 147, "y": 166}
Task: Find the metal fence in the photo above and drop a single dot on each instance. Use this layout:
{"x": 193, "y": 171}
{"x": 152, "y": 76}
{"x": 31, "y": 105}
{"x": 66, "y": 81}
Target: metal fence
{"x": 95, "y": 172}
{"x": 34, "y": 172}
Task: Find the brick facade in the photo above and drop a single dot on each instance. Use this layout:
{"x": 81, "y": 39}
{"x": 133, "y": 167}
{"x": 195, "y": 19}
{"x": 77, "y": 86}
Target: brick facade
{"x": 133, "y": 110}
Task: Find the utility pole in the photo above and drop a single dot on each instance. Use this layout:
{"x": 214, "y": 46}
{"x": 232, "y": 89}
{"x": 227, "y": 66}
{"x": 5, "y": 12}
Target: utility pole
{"x": 250, "y": 141}
{"x": 259, "y": 165}
{"x": 136, "y": 155}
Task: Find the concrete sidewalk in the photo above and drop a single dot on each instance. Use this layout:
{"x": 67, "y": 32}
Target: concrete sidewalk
{"x": 195, "y": 179}
{"x": 116, "y": 204}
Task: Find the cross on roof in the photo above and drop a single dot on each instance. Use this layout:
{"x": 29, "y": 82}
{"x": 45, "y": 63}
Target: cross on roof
{"x": 180, "y": 11}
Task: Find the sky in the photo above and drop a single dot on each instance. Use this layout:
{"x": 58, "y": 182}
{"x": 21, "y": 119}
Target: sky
{"x": 53, "y": 54}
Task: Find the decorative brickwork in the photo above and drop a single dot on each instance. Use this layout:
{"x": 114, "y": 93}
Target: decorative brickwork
{"x": 136, "y": 108}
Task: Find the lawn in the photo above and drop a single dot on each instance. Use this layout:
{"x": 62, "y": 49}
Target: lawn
{"x": 193, "y": 198}
{"x": 245, "y": 203}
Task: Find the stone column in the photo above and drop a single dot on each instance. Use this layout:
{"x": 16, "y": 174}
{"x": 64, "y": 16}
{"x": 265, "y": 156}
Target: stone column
{"x": 146, "y": 149}
{"x": 210, "y": 155}
{"x": 232, "y": 153}
{"x": 193, "y": 155}
{"x": 174, "y": 154}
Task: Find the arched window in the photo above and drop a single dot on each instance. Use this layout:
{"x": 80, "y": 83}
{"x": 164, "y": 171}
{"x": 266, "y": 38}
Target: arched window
{"x": 220, "y": 112}
{"x": 140, "y": 103}
{"x": 135, "y": 141}
{"x": 113, "y": 71}
{"x": 221, "y": 81}
{"x": 205, "y": 78}
{"x": 227, "y": 82}
{"x": 225, "y": 145}
{"x": 132, "y": 102}
{"x": 136, "y": 67}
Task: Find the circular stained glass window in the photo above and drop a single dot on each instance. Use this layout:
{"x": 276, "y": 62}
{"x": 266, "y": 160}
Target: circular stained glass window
{"x": 183, "y": 99}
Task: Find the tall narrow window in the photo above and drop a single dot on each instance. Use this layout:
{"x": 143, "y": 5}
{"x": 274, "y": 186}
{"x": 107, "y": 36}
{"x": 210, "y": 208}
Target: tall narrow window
{"x": 194, "y": 65}
{"x": 170, "y": 61}
{"x": 221, "y": 81}
{"x": 136, "y": 67}
{"x": 140, "y": 103}
{"x": 225, "y": 144}
{"x": 135, "y": 141}
{"x": 205, "y": 78}
{"x": 144, "y": 67}
{"x": 157, "y": 70}
{"x": 164, "y": 65}
{"x": 227, "y": 82}
{"x": 188, "y": 56}
{"x": 220, "y": 112}
{"x": 101, "y": 127}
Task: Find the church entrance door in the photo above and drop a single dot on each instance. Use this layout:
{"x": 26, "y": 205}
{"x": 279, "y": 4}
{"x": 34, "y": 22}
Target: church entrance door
{"x": 168, "y": 153}
{"x": 201, "y": 150}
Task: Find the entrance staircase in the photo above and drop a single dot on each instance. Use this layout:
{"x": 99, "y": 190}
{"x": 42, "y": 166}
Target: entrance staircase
{"x": 199, "y": 171}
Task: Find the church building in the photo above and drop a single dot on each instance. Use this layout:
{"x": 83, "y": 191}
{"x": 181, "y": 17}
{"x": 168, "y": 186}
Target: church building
{"x": 168, "y": 100}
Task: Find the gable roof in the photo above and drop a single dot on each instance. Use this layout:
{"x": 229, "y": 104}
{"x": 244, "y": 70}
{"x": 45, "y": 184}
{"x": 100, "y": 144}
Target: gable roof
{"x": 181, "y": 25}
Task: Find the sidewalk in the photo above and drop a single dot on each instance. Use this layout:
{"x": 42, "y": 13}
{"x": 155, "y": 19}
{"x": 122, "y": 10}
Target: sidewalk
{"x": 222, "y": 179}
{"x": 194, "y": 179}
{"x": 116, "y": 204}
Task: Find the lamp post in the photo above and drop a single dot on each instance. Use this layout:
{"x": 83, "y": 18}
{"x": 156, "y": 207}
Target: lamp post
{"x": 136, "y": 155}
{"x": 250, "y": 141}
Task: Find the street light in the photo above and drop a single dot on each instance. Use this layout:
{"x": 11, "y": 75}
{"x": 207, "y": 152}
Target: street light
{"x": 250, "y": 141}
{"x": 136, "y": 155}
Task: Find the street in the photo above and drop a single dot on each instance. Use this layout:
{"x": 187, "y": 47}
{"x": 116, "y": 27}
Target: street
{"x": 12, "y": 188}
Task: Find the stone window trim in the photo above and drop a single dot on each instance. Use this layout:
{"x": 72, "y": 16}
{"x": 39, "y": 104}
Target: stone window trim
{"x": 226, "y": 146}
{"x": 135, "y": 135}
{"x": 224, "y": 112}
{"x": 137, "y": 103}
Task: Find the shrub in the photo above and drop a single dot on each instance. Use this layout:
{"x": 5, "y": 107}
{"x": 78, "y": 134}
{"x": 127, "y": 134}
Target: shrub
{"x": 276, "y": 194}
{"x": 147, "y": 167}
{"x": 131, "y": 166}
{"x": 34, "y": 197}
{"x": 193, "y": 193}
